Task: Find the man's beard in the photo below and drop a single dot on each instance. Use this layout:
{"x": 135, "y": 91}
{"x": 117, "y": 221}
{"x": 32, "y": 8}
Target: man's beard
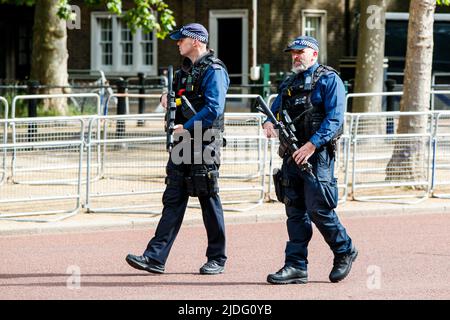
{"x": 299, "y": 68}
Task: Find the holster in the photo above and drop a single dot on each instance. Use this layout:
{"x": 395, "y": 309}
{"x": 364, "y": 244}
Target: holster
{"x": 174, "y": 178}
{"x": 332, "y": 147}
{"x": 277, "y": 181}
{"x": 283, "y": 148}
{"x": 202, "y": 181}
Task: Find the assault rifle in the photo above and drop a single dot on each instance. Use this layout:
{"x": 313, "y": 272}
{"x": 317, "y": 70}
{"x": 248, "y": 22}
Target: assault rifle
{"x": 286, "y": 131}
{"x": 171, "y": 111}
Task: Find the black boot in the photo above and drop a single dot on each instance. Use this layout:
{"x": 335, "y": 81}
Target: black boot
{"x": 287, "y": 275}
{"x": 342, "y": 265}
{"x": 144, "y": 263}
{"x": 212, "y": 267}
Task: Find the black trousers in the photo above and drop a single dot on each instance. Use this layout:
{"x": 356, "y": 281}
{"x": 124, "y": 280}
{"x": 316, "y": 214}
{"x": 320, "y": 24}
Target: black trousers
{"x": 175, "y": 200}
{"x": 312, "y": 198}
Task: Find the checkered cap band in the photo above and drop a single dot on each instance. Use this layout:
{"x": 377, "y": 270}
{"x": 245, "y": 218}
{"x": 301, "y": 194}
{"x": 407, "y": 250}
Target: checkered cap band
{"x": 304, "y": 43}
{"x": 193, "y": 35}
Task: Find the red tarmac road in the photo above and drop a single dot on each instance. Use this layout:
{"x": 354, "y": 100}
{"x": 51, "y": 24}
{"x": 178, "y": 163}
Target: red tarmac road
{"x": 400, "y": 257}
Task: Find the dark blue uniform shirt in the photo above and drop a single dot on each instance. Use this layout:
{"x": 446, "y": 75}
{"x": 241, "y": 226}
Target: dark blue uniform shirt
{"x": 214, "y": 88}
{"x": 330, "y": 90}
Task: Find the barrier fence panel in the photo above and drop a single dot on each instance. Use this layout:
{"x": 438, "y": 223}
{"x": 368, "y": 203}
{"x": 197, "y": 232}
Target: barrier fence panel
{"x": 391, "y": 163}
{"x": 44, "y": 165}
{"x": 242, "y": 162}
{"x": 3, "y": 138}
{"x": 46, "y": 133}
{"x": 63, "y": 99}
{"x": 133, "y": 164}
{"x": 440, "y": 186}
{"x": 342, "y": 158}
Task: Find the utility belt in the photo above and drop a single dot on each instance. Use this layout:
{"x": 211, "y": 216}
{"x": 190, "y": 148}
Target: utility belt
{"x": 199, "y": 181}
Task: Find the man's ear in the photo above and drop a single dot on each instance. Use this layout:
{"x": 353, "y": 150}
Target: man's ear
{"x": 316, "y": 53}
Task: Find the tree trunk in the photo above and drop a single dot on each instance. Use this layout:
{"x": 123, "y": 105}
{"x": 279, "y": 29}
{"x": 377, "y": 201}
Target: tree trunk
{"x": 49, "y": 55}
{"x": 408, "y": 158}
{"x": 369, "y": 67}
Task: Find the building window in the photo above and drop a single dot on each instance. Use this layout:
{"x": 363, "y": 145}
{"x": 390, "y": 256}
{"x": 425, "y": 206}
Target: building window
{"x": 115, "y": 50}
{"x": 106, "y": 43}
{"x": 126, "y": 44}
{"x": 147, "y": 49}
{"x": 314, "y": 24}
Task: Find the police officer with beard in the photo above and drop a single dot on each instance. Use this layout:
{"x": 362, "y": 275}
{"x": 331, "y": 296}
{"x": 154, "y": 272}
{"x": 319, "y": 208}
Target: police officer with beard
{"x": 313, "y": 98}
{"x": 202, "y": 83}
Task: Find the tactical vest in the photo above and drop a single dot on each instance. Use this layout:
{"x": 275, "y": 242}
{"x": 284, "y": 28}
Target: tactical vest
{"x": 296, "y": 94}
{"x": 188, "y": 81}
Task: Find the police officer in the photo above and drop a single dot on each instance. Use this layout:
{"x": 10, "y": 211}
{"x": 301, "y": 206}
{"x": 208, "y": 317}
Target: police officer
{"x": 313, "y": 99}
{"x": 203, "y": 80}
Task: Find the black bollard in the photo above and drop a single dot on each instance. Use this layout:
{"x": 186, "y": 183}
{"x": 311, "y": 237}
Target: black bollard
{"x": 141, "y": 77}
{"x": 122, "y": 87}
{"x": 390, "y": 85}
{"x": 33, "y": 88}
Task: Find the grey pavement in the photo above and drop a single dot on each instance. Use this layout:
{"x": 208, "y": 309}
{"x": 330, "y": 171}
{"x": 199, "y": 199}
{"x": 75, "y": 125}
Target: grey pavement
{"x": 266, "y": 212}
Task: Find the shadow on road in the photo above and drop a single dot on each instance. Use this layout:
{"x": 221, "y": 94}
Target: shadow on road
{"x": 133, "y": 284}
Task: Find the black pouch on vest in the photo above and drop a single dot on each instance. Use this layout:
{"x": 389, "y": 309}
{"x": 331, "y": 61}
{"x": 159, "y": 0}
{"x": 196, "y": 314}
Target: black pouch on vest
{"x": 189, "y": 185}
{"x": 213, "y": 182}
{"x": 282, "y": 149}
{"x": 174, "y": 178}
{"x": 202, "y": 182}
{"x": 277, "y": 181}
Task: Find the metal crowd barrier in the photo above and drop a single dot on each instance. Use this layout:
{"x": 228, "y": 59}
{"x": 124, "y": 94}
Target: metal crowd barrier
{"x": 381, "y": 161}
{"x": 440, "y": 185}
{"x": 55, "y": 96}
{"x": 126, "y": 158}
{"x": 133, "y": 162}
{"x": 437, "y": 157}
{"x": 3, "y": 139}
{"x": 40, "y": 197}
{"x": 243, "y": 162}
{"x": 43, "y": 133}
{"x": 342, "y": 158}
